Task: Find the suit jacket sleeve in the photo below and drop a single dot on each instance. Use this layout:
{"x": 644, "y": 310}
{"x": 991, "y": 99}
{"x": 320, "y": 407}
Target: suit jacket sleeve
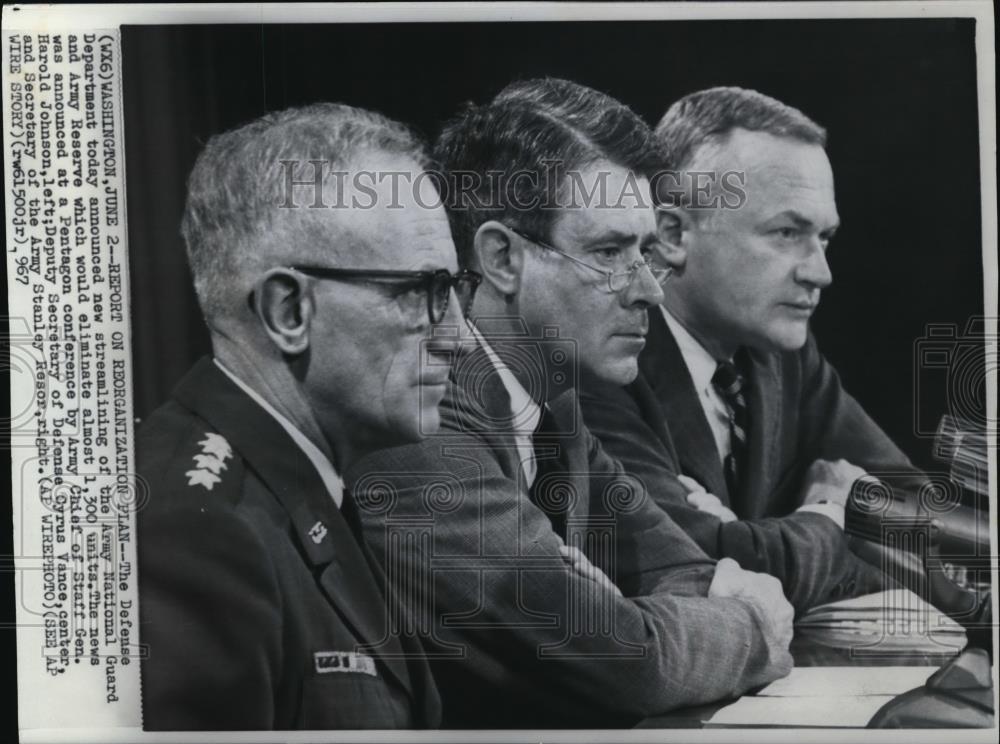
{"x": 211, "y": 618}
{"x": 652, "y": 553}
{"x": 669, "y": 647}
{"x": 806, "y": 552}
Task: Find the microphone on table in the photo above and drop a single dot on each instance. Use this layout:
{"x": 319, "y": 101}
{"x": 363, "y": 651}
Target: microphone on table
{"x": 931, "y": 532}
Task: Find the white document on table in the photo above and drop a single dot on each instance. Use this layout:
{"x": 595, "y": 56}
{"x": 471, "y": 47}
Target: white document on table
{"x": 828, "y": 712}
{"x": 850, "y": 681}
{"x": 832, "y": 697}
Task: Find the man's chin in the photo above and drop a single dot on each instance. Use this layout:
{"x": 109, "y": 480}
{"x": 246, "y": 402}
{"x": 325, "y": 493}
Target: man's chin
{"x": 790, "y": 337}
{"x": 618, "y": 372}
{"x": 428, "y": 403}
{"x": 430, "y": 424}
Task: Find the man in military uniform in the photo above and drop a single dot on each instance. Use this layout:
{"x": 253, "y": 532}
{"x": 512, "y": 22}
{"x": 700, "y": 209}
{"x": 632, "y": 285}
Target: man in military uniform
{"x": 260, "y": 607}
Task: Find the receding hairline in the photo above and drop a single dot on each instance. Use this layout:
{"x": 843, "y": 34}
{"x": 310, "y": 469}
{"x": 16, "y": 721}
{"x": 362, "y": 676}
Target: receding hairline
{"x": 232, "y": 225}
{"x": 712, "y": 147}
{"x": 363, "y": 228}
{"x": 712, "y": 113}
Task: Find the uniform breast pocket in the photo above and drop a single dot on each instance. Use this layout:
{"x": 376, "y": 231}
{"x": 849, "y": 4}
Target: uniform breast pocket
{"x": 350, "y": 700}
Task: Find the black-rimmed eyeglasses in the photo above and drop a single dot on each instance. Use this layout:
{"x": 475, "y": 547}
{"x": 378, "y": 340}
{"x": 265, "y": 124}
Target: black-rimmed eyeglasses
{"x": 436, "y": 284}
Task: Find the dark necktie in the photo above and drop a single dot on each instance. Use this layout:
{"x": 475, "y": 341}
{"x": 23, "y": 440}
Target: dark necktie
{"x": 730, "y": 385}
{"x": 548, "y": 491}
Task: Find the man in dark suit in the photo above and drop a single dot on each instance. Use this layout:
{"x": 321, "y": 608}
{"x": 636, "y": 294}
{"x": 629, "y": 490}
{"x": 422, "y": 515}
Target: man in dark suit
{"x": 260, "y": 607}
{"x": 549, "y": 589}
{"x": 733, "y": 394}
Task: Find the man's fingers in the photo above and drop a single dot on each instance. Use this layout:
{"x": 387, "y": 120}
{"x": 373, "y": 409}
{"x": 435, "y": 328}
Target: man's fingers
{"x": 726, "y": 515}
{"x": 582, "y": 565}
{"x": 728, "y": 566}
{"x": 573, "y": 555}
{"x": 711, "y": 504}
{"x": 779, "y": 608}
{"x": 690, "y": 483}
{"x": 602, "y": 578}
{"x": 830, "y": 481}
{"x": 838, "y": 473}
{"x": 726, "y": 578}
{"x": 704, "y": 501}
{"x": 761, "y": 591}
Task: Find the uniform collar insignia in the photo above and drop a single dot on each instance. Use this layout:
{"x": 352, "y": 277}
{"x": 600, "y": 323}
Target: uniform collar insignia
{"x": 215, "y": 450}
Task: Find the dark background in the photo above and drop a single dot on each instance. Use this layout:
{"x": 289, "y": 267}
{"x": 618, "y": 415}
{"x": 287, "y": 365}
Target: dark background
{"x": 897, "y": 96}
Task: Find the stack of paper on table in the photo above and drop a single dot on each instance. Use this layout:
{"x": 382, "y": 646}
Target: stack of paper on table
{"x": 890, "y": 620}
{"x": 834, "y": 697}
{"x": 849, "y": 696}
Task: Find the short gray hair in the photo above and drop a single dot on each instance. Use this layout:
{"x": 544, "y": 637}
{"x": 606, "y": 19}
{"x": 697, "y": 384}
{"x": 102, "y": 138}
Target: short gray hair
{"x": 709, "y": 115}
{"x": 238, "y": 183}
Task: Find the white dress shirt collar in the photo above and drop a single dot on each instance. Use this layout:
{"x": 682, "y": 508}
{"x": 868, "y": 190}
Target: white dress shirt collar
{"x": 525, "y": 412}
{"x": 701, "y": 365}
{"x": 328, "y": 474}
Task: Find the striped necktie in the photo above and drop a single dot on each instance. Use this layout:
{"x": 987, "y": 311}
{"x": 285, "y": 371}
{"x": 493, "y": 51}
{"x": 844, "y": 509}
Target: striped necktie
{"x": 730, "y": 385}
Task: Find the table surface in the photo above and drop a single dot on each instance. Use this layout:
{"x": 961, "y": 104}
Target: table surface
{"x": 806, "y": 653}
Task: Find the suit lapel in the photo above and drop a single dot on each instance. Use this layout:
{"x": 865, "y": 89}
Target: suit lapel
{"x": 477, "y": 399}
{"x": 651, "y": 409}
{"x": 664, "y": 368}
{"x": 481, "y": 400}
{"x": 765, "y": 412}
{"x": 344, "y": 573}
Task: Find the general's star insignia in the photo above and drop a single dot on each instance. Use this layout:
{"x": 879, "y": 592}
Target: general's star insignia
{"x": 215, "y": 450}
{"x": 210, "y": 462}
{"x": 204, "y": 478}
{"x": 216, "y": 444}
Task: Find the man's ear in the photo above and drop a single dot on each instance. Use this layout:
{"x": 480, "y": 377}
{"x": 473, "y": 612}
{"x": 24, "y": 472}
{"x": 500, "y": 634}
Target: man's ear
{"x": 672, "y": 227}
{"x": 500, "y": 256}
{"x": 284, "y": 305}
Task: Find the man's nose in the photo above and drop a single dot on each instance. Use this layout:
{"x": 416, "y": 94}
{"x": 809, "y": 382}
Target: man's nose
{"x": 814, "y": 269}
{"x": 643, "y": 289}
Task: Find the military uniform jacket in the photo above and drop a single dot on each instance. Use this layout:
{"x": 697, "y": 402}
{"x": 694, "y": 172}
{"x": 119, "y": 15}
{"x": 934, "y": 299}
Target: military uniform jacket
{"x": 258, "y": 608}
{"x": 519, "y": 640}
{"x": 798, "y": 412}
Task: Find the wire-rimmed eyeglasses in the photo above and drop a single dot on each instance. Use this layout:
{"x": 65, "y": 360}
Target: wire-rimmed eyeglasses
{"x": 616, "y": 280}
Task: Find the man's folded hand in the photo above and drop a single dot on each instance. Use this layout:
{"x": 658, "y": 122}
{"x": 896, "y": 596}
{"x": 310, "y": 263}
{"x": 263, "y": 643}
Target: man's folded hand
{"x": 704, "y": 501}
{"x": 830, "y": 481}
{"x": 763, "y": 593}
